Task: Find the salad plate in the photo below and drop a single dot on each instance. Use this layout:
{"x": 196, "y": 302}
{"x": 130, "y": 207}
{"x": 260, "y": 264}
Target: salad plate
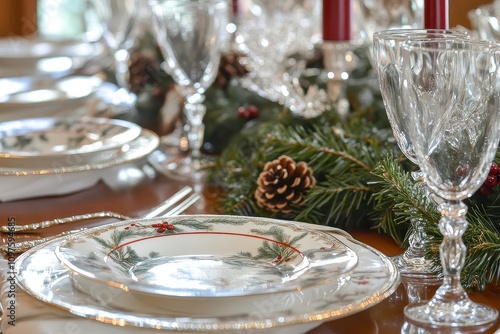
{"x": 136, "y": 150}
{"x": 21, "y": 93}
{"x": 60, "y": 179}
{"x": 15, "y": 49}
{"x": 38, "y": 56}
{"x": 375, "y": 277}
{"x": 192, "y": 262}
{"x": 47, "y": 142}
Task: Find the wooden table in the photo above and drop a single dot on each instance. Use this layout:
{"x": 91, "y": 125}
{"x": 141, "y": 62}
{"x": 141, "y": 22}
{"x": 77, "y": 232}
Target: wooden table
{"x": 384, "y": 318}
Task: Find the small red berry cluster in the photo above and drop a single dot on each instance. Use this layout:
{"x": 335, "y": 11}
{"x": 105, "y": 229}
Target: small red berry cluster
{"x": 248, "y": 113}
{"x": 159, "y": 227}
{"x": 491, "y": 181}
{"x": 280, "y": 259}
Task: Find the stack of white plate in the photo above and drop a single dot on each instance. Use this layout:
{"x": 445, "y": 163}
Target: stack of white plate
{"x": 37, "y": 56}
{"x": 37, "y": 148}
{"x": 207, "y": 273}
{"x": 27, "y": 97}
{"x": 39, "y": 77}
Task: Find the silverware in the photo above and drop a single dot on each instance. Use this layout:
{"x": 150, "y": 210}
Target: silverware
{"x": 21, "y": 247}
{"x": 155, "y": 212}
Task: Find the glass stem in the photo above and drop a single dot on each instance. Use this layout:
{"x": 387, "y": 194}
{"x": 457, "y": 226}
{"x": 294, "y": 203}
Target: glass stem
{"x": 415, "y": 291}
{"x": 453, "y": 251}
{"x": 121, "y": 58}
{"x": 122, "y": 99}
{"x": 195, "y": 128}
{"x": 416, "y": 239}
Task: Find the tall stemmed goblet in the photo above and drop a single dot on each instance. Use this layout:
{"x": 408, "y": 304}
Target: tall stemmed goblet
{"x": 451, "y": 94}
{"x": 376, "y": 15}
{"x": 117, "y": 18}
{"x": 191, "y": 35}
{"x": 268, "y": 35}
{"x": 387, "y": 53}
{"x": 265, "y": 35}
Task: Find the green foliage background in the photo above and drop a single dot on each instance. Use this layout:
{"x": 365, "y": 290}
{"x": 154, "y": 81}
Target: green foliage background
{"x": 363, "y": 180}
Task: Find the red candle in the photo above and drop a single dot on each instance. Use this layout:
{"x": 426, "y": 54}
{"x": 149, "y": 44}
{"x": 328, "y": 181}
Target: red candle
{"x": 235, "y": 7}
{"x": 436, "y": 14}
{"x": 337, "y": 20}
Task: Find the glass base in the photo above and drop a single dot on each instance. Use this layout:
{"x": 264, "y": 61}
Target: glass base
{"x": 418, "y": 289}
{"x": 456, "y": 313}
{"x": 176, "y": 164}
{"x": 119, "y": 100}
{"x": 412, "y": 328}
{"x": 185, "y": 168}
{"x": 416, "y": 267}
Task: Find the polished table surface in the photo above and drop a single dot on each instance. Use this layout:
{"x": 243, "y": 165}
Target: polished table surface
{"x": 385, "y": 318}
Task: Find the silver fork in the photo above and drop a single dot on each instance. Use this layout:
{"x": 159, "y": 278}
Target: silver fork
{"x": 159, "y": 211}
{"x": 154, "y": 212}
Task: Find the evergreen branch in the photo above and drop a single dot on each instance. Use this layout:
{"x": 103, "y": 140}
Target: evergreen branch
{"x": 482, "y": 238}
{"x": 341, "y": 163}
{"x": 363, "y": 181}
{"x": 400, "y": 199}
{"x": 410, "y": 201}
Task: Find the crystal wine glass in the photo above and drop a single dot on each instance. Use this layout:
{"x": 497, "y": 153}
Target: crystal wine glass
{"x": 451, "y": 96}
{"x": 117, "y": 18}
{"x": 268, "y": 34}
{"x": 376, "y": 15}
{"x": 191, "y": 35}
{"x": 387, "y": 53}
{"x": 265, "y": 36}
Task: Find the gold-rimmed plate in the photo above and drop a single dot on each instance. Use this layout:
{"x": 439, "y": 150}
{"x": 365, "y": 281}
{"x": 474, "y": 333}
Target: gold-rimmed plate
{"x": 51, "y": 142}
{"x": 199, "y": 262}
{"x": 374, "y": 279}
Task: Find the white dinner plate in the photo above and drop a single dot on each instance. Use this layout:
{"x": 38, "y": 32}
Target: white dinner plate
{"x": 17, "y": 183}
{"x": 52, "y": 142}
{"x": 137, "y": 149}
{"x": 34, "y": 56}
{"x": 20, "y": 93}
{"x": 211, "y": 265}
{"x": 375, "y": 277}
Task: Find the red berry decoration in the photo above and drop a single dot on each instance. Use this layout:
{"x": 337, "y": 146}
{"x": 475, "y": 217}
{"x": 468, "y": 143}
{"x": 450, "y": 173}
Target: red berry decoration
{"x": 492, "y": 180}
{"x": 248, "y": 113}
{"x": 495, "y": 169}
{"x": 485, "y": 190}
{"x": 253, "y": 111}
{"x": 243, "y": 113}
{"x": 461, "y": 171}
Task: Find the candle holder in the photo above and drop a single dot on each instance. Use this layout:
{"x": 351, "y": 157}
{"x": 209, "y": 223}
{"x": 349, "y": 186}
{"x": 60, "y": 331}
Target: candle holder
{"x": 339, "y": 60}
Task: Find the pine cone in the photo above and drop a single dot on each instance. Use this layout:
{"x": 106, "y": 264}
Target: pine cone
{"x": 229, "y": 67}
{"x": 283, "y": 184}
{"x": 142, "y": 68}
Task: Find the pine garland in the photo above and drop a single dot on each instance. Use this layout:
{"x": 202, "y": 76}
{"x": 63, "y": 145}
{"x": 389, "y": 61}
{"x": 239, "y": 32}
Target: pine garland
{"x": 342, "y": 159}
{"x": 363, "y": 181}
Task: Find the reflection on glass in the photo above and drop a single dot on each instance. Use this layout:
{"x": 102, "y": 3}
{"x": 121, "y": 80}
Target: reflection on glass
{"x": 450, "y": 92}
{"x": 191, "y": 35}
{"x": 387, "y": 53}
